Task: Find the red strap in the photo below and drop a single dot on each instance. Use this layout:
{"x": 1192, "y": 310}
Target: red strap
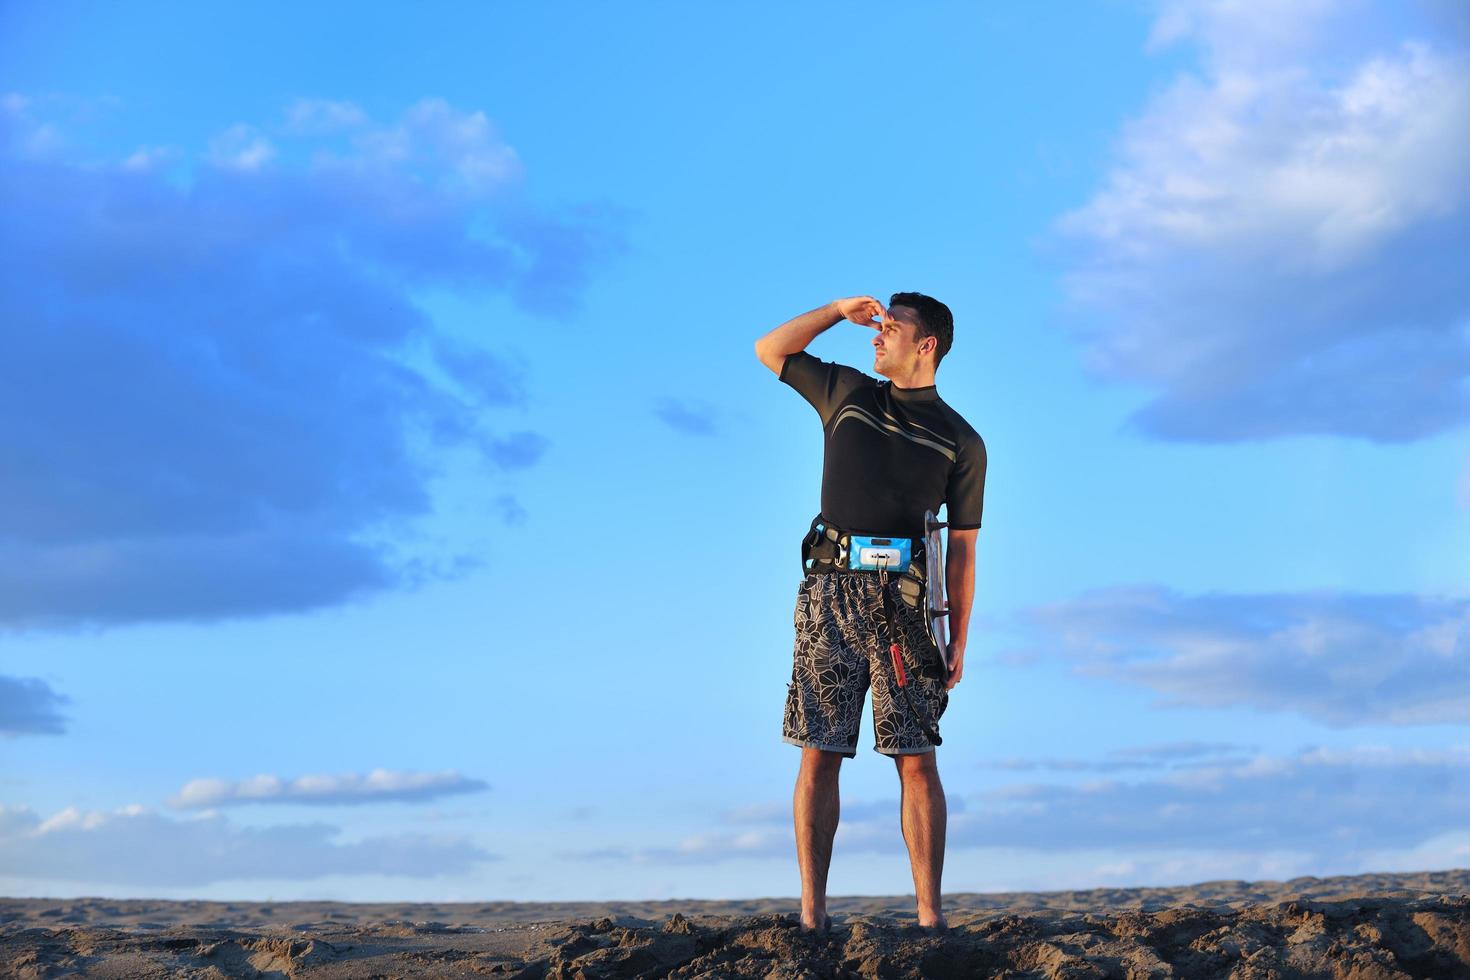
{"x": 897, "y": 655}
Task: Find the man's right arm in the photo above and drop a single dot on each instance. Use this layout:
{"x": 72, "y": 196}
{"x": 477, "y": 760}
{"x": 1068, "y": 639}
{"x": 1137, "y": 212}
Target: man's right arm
{"x": 795, "y": 334}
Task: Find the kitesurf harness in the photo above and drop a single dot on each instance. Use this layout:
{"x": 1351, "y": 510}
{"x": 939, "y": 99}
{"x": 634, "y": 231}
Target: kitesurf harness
{"x": 828, "y": 549}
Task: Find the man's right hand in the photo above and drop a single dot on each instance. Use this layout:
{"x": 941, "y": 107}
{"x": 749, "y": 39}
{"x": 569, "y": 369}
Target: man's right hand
{"x": 796, "y": 333}
{"x": 862, "y": 310}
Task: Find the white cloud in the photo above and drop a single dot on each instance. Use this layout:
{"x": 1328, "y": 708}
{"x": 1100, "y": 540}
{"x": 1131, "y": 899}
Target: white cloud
{"x": 1340, "y": 808}
{"x": 324, "y": 114}
{"x": 147, "y": 158}
{"x": 135, "y": 846}
{"x": 22, "y": 134}
{"x": 241, "y": 147}
{"x": 1327, "y": 803}
{"x": 1237, "y": 34}
{"x": 1183, "y": 754}
{"x": 467, "y": 139}
{"x": 1163, "y": 869}
{"x": 444, "y": 142}
{"x": 1448, "y": 850}
{"x": 1317, "y": 184}
{"x": 1276, "y": 249}
{"x": 459, "y": 152}
{"x": 1338, "y": 658}
{"x": 380, "y": 785}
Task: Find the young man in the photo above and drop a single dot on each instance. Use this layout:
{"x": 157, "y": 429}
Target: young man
{"x": 892, "y": 450}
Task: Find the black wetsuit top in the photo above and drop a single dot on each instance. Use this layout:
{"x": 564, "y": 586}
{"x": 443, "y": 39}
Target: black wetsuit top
{"x": 889, "y": 453}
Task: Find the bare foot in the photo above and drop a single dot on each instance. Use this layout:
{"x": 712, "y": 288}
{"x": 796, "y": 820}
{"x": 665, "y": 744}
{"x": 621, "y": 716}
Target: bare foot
{"x": 821, "y": 930}
{"x": 937, "y": 927}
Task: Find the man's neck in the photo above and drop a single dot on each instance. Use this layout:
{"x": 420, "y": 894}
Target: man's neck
{"x": 915, "y": 380}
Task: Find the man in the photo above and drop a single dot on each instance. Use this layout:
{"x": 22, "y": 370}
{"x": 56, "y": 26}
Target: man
{"x": 892, "y": 449}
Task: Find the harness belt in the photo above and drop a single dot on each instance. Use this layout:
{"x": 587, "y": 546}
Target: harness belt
{"x": 830, "y": 550}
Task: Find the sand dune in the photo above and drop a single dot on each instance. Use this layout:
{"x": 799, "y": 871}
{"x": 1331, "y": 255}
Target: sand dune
{"x": 1364, "y": 926}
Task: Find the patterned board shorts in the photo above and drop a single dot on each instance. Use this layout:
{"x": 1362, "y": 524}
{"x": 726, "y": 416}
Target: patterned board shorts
{"x": 839, "y": 654}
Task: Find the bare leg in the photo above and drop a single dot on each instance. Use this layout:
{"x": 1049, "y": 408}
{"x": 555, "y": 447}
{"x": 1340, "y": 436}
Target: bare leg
{"x": 816, "y": 808}
{"x": 924, "y": 817}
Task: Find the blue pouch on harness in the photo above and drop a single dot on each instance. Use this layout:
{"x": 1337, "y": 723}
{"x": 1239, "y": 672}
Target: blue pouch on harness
{"x": 871, "y": 554}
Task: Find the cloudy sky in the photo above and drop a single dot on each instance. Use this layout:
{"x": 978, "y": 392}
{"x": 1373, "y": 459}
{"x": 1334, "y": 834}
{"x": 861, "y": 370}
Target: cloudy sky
{"x": 392, "y": 505}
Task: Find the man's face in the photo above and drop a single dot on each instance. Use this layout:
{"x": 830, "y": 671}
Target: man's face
{"x": 896, "y": 347}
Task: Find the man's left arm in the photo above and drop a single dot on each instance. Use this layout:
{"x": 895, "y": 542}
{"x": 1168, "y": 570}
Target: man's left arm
{"x": 959, "y": 590}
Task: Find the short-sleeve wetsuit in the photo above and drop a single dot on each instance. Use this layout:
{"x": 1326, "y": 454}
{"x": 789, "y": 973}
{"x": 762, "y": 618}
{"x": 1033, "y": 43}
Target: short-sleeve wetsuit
{"x": 889, "y": 453}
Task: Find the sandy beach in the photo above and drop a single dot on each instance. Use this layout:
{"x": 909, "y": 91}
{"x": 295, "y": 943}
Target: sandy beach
{"x": 1408, "y": 925}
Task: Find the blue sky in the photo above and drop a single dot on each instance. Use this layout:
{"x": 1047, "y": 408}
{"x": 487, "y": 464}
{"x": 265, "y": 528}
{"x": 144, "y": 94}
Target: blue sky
{"x": 374, "y": 378}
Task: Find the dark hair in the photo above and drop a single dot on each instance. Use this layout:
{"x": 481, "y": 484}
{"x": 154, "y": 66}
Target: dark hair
{"x": 935, "y": 320}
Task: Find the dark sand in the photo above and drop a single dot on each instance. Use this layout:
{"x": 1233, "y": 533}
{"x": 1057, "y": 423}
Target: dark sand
{"x": 1363, "y": 927}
